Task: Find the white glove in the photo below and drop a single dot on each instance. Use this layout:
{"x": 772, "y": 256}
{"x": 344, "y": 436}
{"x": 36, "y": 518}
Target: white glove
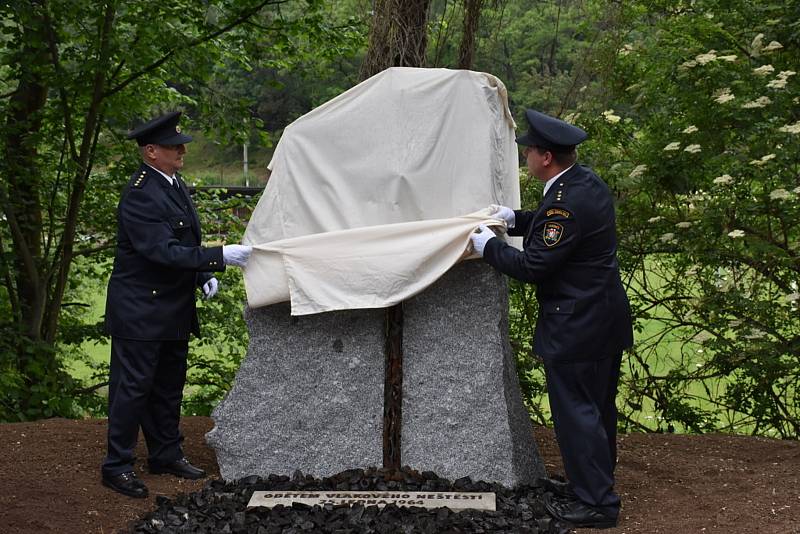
{"x": 504, "y": 213}
{"x": 479, "y": 240}
{"x": 236, "y": 254}
{"x": 210, "y": 288}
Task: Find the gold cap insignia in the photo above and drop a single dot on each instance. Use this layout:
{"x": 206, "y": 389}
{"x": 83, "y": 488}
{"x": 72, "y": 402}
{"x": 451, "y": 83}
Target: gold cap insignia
{"x": 177, "y": 129}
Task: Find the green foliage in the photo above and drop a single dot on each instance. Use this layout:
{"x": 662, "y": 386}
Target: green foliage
{"x": 214, "y": 358}
{"x": 75, "y": 76}
{"x": 699, "y": 147}
{"x": 523, "y": 311}
{"x": 692, "y": 113}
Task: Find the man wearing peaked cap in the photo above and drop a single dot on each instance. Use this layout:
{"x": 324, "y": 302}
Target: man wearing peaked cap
{"x": 150, "y": 307}
{"x": 584, "y": 321}
{"x": 162, "y": 130}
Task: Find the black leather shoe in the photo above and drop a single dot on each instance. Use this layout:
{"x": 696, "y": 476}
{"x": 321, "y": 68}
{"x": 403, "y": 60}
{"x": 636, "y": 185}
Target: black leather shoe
{"x": 559, "y": 488}
{"x": 180, "y": 468}
{"x": 578, "y": 514}
{"x": 126, "y": 484}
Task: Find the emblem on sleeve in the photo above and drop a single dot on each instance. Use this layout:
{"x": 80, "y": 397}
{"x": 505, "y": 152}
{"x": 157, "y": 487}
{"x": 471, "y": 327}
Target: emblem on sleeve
{"x": 557, "y": 211}
{"x": 552, "y": 233}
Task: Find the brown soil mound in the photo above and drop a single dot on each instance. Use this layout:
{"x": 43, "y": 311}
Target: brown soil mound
{"x": 50, "y": 480}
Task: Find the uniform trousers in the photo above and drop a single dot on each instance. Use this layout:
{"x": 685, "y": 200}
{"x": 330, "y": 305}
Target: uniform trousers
{"x": 582, "y": 397}
{"x": 145, "y": 389}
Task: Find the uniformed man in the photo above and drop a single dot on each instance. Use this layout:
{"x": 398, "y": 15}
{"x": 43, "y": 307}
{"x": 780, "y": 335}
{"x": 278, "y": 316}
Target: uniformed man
{"x": 584, "y": 321}
{"x": 150, "y": 307}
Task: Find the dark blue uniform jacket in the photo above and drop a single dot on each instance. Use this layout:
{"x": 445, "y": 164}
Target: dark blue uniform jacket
{"x": 570, "y": 254}
{"x": 159, "y": 262}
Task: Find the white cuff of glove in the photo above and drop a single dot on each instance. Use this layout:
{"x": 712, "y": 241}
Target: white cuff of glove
{"x": 236, "y": 254}
{"x": 504, "y": 213}
{"x": 479, "y": 240}
{"x": 210, "y": 287}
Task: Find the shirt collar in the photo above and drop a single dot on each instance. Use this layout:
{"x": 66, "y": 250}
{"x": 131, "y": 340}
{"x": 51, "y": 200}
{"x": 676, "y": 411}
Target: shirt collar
{"x": 552, "y": 180}
{"x": 167, "y": 178}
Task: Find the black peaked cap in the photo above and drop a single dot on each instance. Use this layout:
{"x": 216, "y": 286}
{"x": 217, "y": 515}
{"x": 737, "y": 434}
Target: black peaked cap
{"x": 162, "y": 130}
{"x": 550, "y": 133}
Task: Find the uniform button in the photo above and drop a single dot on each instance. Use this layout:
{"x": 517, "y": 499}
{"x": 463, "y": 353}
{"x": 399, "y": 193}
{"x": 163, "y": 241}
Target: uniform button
{"x": 180, "y": 223}
{"x": 558, "y": 308}
{"x": 155, "y": 292}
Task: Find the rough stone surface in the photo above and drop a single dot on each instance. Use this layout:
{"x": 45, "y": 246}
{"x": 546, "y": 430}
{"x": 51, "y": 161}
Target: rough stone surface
{"x": 462, "y": 408}
{"x": 308, "y": 396}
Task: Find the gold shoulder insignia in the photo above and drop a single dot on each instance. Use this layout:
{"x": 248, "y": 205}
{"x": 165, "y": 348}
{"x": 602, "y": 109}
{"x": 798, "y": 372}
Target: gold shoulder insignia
{"x": 558, "y": 211}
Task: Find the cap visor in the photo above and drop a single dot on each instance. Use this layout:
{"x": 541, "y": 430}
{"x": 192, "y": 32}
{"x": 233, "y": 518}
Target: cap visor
{"x": 178, "y": 139}
{"x": 525, "y": 140}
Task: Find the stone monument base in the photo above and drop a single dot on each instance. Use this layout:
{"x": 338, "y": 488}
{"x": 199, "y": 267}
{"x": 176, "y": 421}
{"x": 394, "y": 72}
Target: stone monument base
{"x": 309, "y": 394}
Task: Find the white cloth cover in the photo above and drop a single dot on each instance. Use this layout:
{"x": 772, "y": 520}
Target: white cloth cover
{"x": 367, "y": 194}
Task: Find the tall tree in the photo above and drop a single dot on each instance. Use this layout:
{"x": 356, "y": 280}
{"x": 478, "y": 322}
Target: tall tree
{"x": 472, "y": 16}
{"x": 701, "y": 143}
{"x": 398, "y": 36}
{"x": 74, "y": 75}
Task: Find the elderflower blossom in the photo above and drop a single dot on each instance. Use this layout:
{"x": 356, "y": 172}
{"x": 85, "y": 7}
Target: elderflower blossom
{"x": 690, "y": 129}
{"x": 725, "y": 179}
{"x": 684, "y": 224}
{"x": 763, "y": 70}
{"x": 791, "y": 128}
{"x": 780, "y": 81}
{"x": 792, "y": 297}
{"x": 772, "y": 46}
{"x": 625, "y": 50}
{"x": 688, "y": 64}
{"x": 757, "y": 103}
{"x": 796, "y": 190}
{"x": 736, "y": 233}
{"x": 729, "y": 59}
{"x": 637, "y": 171}
{"x": 757, "y": 45}
{"x": 610, "y": 117}
{"x": 655, "y": 219}
{"x": 672, "y": 146}
{"x": 777, "y": 83}
{"x": 780, "y": 194}
{"x": 763, "y": 160}
{"x": 669, "y": 237}
{"x": 723, "y": 95}
{"x": 708, "y": 57}
{"x": 692, "y": 149}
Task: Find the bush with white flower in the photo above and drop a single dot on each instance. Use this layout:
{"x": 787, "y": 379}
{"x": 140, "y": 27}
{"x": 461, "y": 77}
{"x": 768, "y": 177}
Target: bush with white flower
{"x": 710, "y": 106}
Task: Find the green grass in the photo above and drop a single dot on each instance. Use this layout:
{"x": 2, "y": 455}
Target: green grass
{"x": 210, "y": 163}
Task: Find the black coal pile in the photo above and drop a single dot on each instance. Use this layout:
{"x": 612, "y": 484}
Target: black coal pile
{"x": 221, "y": 508}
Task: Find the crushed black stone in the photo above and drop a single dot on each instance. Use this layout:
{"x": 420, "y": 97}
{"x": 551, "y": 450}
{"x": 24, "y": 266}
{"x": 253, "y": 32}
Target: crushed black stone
{"x": 222, "y": 508}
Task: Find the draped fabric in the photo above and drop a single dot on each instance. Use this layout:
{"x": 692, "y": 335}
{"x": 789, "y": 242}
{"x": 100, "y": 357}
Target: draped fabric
{"x": 372, "y": 196}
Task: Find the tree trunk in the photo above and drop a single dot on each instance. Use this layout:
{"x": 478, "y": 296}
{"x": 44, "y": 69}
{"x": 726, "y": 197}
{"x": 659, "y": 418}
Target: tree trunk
{"x": 21, "y": 202}
{"x": 398, "y": 37}
{"x": 466, "y": 51}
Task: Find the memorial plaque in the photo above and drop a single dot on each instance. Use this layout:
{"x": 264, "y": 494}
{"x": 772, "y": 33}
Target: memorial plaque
{"x": 425, "y": 499}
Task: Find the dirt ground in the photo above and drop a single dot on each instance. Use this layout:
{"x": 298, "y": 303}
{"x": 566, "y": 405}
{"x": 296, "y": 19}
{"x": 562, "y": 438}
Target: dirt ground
{"x": 50, "y": 480}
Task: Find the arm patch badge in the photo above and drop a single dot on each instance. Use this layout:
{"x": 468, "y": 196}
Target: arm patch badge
{"x": 552, "y": 233}
{"x": 557, "y": 211}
